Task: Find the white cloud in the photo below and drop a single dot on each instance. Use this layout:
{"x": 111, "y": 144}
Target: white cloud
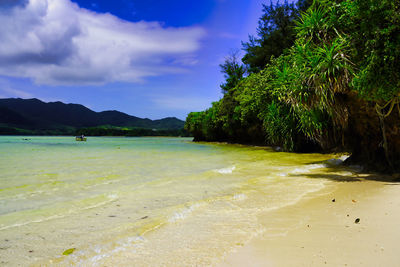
{"x": 57, "y": 42}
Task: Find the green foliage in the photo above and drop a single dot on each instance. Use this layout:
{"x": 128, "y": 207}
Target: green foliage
{"x": 254, "y": 96}
{"x": 313, "y": 24}
{"x": 280, "y": 125}
{"x": 204, "y": 125}
{"x": 194, "y": 124}
{"x": 297, "y": 91}
{"x": 374, "y": 30}
{"x": 316, "y": 73}
{"x": 275, "y": 33}
{"x": 233, "y": 72}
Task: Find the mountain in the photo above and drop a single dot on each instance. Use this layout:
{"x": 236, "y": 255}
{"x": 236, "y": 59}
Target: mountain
{"x": 33, "y": 114}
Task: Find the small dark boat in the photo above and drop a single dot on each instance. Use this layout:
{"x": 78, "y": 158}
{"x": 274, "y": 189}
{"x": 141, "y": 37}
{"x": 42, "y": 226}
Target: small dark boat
{"x": 80, "y": 138}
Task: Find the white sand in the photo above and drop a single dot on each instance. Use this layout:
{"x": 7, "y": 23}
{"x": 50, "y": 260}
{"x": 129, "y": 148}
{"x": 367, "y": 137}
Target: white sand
{"x": 319, "y": 232}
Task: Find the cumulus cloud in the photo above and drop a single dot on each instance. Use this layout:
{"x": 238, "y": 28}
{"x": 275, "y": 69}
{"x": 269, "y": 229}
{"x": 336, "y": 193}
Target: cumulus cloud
{"x": 57, "y": 42}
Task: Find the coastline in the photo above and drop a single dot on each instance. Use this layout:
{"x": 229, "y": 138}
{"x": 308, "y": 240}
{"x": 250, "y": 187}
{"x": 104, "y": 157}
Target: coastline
{"x": 319, "y": 232}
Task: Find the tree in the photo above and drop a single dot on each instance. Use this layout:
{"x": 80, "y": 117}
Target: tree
{"x": 375, "y": 38}
{"x": 233, "y": 71}
{"x": 331, "y": 83}
{"x": 275, "y": 33}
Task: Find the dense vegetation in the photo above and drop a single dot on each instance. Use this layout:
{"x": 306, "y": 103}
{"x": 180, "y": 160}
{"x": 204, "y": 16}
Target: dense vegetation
{"x": 321, "y": 76}
{"x": 34, "y": 117}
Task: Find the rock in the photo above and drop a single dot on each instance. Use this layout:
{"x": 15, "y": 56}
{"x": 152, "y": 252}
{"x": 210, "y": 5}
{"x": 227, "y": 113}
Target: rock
{"x": 333, "y": 200}
{"x": 357, "y": 220}
{"x": 335, "y": 162}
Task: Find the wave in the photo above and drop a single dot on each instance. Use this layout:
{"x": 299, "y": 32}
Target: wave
{"x": 239, "y": 197}
{"x": 94, "y": 256}
{"x": 15, "y": 219}
{"x": 226, "y": 170}
{"x": 308, "y": 168}
{"x": 180, "y": 215}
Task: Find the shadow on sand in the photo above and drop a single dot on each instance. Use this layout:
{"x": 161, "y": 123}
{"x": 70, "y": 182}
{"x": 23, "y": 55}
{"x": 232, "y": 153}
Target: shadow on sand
{"x": 350, "y": 174}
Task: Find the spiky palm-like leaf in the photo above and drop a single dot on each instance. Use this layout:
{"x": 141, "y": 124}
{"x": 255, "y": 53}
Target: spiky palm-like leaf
{"x": 313, "y": 24}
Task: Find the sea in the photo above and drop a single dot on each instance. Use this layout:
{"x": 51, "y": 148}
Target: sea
{"x": 142, "y": 201}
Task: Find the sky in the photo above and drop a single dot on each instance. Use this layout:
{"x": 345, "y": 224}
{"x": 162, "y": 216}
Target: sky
{"x": 151, "y": 59}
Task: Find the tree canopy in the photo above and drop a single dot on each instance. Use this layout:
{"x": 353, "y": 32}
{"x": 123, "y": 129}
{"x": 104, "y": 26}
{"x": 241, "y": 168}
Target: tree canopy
{"x": 322, "y": 76}
{"x": 275, "y": 33}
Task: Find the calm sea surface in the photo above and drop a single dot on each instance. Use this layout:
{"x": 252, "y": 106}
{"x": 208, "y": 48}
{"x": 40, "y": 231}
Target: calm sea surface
{"x": 140, "y": 201}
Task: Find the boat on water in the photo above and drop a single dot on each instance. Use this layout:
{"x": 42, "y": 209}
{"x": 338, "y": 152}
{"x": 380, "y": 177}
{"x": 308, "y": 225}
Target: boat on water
{"x": 80, "y": 138}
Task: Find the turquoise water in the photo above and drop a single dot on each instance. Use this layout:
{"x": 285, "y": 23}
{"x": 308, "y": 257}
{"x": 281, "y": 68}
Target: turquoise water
{"x": 139, "y": 201}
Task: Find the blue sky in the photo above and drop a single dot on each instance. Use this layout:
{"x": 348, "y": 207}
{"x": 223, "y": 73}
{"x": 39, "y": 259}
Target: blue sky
{"x": 152, "y": 58}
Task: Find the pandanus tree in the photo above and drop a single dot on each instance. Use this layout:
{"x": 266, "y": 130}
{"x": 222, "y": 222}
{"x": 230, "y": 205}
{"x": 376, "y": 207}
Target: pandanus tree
{"x": 318, "y": 74}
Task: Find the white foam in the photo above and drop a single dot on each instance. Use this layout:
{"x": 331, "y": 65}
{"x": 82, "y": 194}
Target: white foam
{"x": 106, "y": 251}
{"x": 316, "y": 166}
{"x": 300, "y": 170}
{"x": 226, "y": 170}
{"x": 178, "y": 216}
{"x": 308, "y": 168}
{"x": 239, "y": 197}
{"x": 338, "y": 161}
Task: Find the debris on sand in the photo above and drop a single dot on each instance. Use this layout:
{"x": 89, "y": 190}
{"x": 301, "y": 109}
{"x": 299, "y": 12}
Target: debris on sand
{"x": 68, "y": 251}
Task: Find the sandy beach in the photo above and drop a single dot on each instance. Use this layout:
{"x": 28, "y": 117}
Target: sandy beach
{"x": 321, "y": 230}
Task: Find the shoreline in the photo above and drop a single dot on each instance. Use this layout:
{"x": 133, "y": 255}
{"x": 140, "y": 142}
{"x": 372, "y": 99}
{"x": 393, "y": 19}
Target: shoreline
{"x": 318, "y": 231}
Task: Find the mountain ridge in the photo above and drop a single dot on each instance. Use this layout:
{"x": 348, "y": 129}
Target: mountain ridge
{"x": 34, "y": 114}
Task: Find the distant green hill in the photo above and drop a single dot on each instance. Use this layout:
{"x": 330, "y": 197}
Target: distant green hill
{"x": 22, "y": 116}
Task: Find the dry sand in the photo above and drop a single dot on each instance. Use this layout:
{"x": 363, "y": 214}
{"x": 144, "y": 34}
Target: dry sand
{"x": 319, "y": 232}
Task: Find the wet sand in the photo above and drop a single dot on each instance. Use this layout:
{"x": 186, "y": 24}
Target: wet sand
{"x": 318, "y": 231}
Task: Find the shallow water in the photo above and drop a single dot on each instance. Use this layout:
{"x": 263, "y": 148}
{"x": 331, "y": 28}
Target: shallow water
{"x": 140, "y": 201}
